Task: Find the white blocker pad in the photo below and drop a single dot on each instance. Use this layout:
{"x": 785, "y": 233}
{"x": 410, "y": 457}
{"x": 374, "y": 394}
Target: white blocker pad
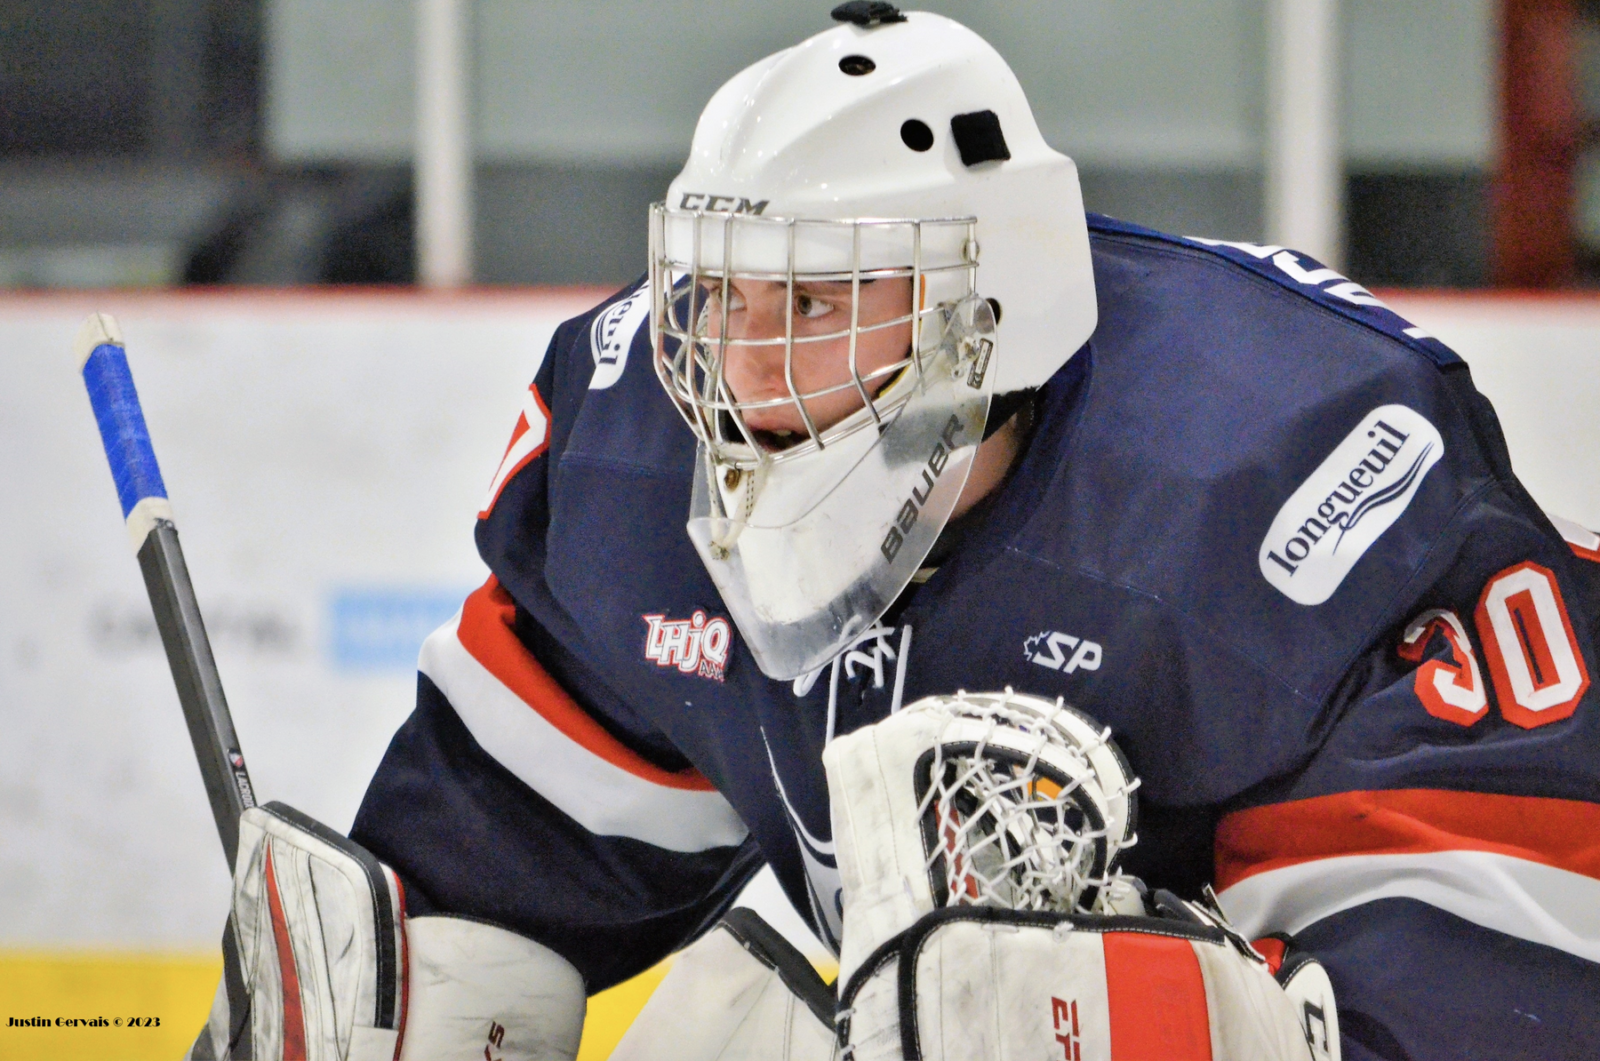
{"x": 480, "y": 991}
{"x": 980, "y": 984}
{"x": 739, "y": 993}
{"x": 330, "y": 969}
{"x": 317, "y": 927}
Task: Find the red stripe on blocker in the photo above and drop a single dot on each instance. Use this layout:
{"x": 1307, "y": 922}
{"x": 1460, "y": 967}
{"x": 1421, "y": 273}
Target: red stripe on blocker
{"x": 294, "y": 1024}
{"x": 405, "y": 962}
{"x": 486, "y": 633}
{"x": 1157, "y": 999}
{"x": 1562, "y": 833}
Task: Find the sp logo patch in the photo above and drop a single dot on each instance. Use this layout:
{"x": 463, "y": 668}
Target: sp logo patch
{"x": 1063, "y": 652}
{"x": 1352, "y": 497}
{"x": 611, "y": 336}
{"x": 696, "y": 645}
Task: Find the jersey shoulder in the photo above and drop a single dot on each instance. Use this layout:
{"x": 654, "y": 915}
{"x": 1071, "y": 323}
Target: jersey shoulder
{"x": 1148, "y": 250}
{"x": 596, "y": 478}
{"x": 605, "y": 401}
{"x": 1264, "y": 464}
{"x": 1221, "y": 365}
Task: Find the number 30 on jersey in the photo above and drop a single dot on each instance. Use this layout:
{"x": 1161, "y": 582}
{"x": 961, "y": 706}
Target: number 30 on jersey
{"x": 1528, "y": 643}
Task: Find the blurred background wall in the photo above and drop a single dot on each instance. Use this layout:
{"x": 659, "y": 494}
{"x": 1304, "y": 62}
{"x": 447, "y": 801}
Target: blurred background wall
{"x": 270, "y": 141}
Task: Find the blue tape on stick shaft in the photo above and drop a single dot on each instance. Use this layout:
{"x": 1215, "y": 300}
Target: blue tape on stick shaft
{"x": 122, "y": 427}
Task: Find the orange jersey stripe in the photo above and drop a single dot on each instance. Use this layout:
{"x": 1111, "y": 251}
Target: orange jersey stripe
{"x": 1555, "y": 832}
{"x": 486, "y": 633}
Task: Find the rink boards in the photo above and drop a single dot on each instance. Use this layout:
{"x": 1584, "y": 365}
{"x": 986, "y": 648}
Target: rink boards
{"x": 325, "y": 455}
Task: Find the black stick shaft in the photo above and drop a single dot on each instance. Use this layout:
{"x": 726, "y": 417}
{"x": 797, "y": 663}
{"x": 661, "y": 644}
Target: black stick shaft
{"x": 194, "y": 672}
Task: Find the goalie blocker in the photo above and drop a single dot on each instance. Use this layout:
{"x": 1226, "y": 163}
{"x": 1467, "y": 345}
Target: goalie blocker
{"x": 331, "y": 969}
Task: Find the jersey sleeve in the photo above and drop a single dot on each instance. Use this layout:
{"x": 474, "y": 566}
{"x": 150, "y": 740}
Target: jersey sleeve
{"x": 1440, "y": 850}
{"x": 522, "y": 790}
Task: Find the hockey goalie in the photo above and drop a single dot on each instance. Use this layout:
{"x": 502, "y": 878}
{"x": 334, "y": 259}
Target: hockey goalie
{"x": 888, "y": 417}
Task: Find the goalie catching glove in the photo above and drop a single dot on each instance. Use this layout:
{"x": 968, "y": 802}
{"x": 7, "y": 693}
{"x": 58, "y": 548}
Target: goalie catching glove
{"x": 321, "y": 964}
{"x": 977, "y": 837}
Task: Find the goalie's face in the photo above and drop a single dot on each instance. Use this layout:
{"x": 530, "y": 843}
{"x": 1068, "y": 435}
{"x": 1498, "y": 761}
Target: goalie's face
{"x": 789, "y": 358}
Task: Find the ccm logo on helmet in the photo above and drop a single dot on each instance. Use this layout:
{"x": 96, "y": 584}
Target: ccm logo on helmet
{"x": 907, "y": 517}
{"x": 721, "y": 204}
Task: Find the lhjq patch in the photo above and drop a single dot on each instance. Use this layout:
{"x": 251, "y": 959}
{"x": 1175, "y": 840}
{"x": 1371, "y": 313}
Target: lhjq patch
{"x": 1345, "y": 505}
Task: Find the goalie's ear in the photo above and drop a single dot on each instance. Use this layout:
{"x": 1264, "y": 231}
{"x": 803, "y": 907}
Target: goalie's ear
{"x": 741, "y": 990}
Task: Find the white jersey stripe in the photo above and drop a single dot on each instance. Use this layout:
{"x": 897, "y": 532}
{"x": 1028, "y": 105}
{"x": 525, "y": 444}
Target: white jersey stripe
{"x": 602, "y": 797}
{"x": 1576, "y": 534}
{"x": 1528, "y": 900}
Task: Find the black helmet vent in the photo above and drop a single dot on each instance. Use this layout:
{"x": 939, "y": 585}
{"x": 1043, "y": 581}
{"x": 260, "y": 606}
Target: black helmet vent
{"x": 867, "y": 13}
{"x": 978, "y": 138}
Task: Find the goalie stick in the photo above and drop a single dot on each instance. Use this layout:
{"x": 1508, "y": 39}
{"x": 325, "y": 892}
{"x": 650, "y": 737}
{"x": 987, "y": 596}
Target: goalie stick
{"x": 102, "y": 358}
{"x": 104, "y": 362}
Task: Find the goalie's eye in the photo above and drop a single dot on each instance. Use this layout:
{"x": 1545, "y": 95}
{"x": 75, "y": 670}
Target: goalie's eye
{"x": 711, "y": 300}
{"x": 810, "y": 306}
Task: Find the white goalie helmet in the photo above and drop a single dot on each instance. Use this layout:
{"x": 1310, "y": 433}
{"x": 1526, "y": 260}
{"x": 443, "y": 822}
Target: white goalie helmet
{"x": 897, "y": 151}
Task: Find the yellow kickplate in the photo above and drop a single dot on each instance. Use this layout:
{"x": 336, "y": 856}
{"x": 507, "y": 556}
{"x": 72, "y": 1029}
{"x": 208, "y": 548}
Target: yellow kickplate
{"x": 126, "y": 1007}
{"x": 168, "y": 996}
{"x": 612, "y": 1010}
{"x": 68, "y": 1006}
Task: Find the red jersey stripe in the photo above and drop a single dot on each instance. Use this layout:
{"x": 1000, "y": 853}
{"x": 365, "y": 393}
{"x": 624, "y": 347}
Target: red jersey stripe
{"x": 522, "y": 449}
{"x": 1561, "y": 833}
{"x": 486, "y": 633}
{"x": 1273, "y": 950}
{"x": 1584, "y": 543}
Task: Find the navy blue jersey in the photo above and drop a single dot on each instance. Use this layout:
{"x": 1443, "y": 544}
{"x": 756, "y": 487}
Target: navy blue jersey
{"x": 1263, "y": 528}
